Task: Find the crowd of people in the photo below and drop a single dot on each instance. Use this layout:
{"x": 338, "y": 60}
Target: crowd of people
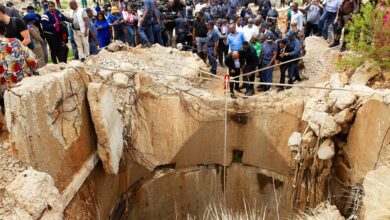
{"x": 246, "y": 39}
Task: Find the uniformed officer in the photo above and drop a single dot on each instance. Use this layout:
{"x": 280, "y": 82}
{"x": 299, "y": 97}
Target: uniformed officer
{"x": 233, "y": 7}
{"x": 294, "y": 46}
{"x": 212, "y": 44}
{"x": 267, "y": 57}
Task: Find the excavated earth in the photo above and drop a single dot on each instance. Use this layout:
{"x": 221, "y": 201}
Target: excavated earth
{"x": 136, "y": 133}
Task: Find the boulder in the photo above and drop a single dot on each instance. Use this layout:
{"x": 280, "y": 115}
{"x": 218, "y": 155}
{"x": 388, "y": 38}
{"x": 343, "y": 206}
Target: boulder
{"x": 309, "y": 139}
{"x": 376, "y": 194}
{"x": 294, "y": 141}
{"x": 323, "y": 124}
{"x": 35, "y": 193}
{"x": 365, "y": 72}
{"x": 121, "y": 80}
{"x": 342, "y": 99}
{"x": 314, "y": 105}
{"x": 108, "y": 126}
{"x": 326, "y": 150}
{"x": 345, "y": 116}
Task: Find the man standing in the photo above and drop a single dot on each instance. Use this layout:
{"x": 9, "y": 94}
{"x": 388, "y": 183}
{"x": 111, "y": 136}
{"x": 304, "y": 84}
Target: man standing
{"x": 297, "y": 17}
{"x": 15, "y": 27}
{"x": 212, "y": 44}
{"x": 328, "y": 16}
{"x": 92, "y": 39}
{"x": 233, "y": 8}
{"x": 251, "y": 62}
{"x": 268, "y": 56}
{"x": 80, "y": 29}
{"x": 234, "y": 39}
{"x": 200, "y": 36}
{"x": 282, "y": 58}
{"x": 249, "y": 30}
{"x": 149, "y": 19}
{"x": 294, "y": 46}
{"x": 222, "y": 49}
{"x": 31, "y": 10}
{"x": 234, "y": 61}
{"x": 313, "y": 12}
{"x": 344, "y": 15}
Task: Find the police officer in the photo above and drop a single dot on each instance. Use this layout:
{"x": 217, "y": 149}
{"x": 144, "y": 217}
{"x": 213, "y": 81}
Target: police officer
{"x": 294, "y": 46}
{"x": 233, "y": 7}
{"x": 267, "y": 57}
{"x": 149, "y": 19}
{"x": 212, "y": 44}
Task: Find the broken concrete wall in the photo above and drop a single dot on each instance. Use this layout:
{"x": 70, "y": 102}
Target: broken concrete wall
{"x": 48, "y": 120}
{"x": 191, "y": 190}
{"x": 368, "y": 138}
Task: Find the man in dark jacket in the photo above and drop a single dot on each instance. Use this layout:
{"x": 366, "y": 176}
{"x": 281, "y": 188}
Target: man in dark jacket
{"x": 282, "y": 58}
{"x": 55, "y": 32}
{"x": 235, "y": 61}
{"x": 251, "y": 62}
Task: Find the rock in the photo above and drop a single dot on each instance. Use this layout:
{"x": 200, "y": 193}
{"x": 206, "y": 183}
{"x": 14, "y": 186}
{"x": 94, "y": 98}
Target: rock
{"x": 116, "y": 46}
{"x": 376, "y": 194}
{"x": 345, "y": 116}
{"x": 324, "y": 211}
{"x": 386, "y": 99}
{"x": 386, "y": 76}
{"x": 365, "y": 72}
{"x": 34, "y": 192}
{"x": 309, "y": 139}
{"x": 342, "y": 99}
{"x": 323, "y": 124}
{"x": 121, "y": 80}
{"x": 20, "y": 214}
{"x": 108, "y": 126}
{"x": 326, "y": 150}
{"x": 294, "y": 141}
{"x": 314, "y": 105}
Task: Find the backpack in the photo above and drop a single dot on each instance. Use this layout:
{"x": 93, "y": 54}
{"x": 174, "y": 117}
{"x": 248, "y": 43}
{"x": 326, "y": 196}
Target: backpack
{"x": 31, "y": 44}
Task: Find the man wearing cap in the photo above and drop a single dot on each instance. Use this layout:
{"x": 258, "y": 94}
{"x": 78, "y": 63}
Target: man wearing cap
{"x": 267, "y": 58}
{"x": 294, "y": 46}
{"x": 212, "y": 44}
{"x": 251, "y": 62}
{"x": 114, "y": 20}
{"x": 328, "y": 16}
{"x": 264, "y": 30}
{"x": 249, "y": 30}
{"x": 234, "y": 39}
{"x": 80, "y": 28}
{"x": 235, "y": 61}
{"x": 31, "y": 10}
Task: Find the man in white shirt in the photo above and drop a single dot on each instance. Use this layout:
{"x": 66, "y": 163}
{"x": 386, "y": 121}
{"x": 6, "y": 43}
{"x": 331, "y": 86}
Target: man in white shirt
{"x": 239, "y": 25}
{"x": 249, "y": 30}
{"x": 328, "y": 16}
{"x": 297, "y": 16}
{"x": 80, "y": 29}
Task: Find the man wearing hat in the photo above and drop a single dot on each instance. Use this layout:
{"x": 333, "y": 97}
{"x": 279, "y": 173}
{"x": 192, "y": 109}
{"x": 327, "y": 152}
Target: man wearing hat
{"x": 114, "y": 20}
{"x": 294, "y": 46}
{"x": 267, "y": 58}
{"x": 212, "y": 44}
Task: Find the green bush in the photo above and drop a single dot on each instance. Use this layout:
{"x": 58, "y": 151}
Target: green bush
{"x": 368, "y": 38}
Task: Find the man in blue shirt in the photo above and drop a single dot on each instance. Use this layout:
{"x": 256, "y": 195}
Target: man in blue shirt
{"x": 115, "y": 20}
{"x": 212, "y": 44}
{"x": 267, "y": 57}
{"x": 149, "y": 19}
{"x": 235, "y": 39}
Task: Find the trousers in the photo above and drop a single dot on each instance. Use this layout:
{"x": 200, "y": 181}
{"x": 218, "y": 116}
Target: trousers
{"x": 234, "y": 85}
{"x": 82, "y": 44}
{"x": 212, "y": 60}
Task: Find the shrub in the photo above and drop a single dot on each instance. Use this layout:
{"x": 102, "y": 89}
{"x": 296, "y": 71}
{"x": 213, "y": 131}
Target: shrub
{"x": 369, "y": 37}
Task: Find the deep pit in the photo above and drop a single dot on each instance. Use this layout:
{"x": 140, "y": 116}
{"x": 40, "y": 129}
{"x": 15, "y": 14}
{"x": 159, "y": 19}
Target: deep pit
{"x": 128, "y": 135}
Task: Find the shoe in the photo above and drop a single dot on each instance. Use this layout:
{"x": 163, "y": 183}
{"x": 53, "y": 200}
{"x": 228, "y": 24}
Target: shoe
{"x": 280, "y": 89}
{"x": 238, "y": 90}
{"x": 213, "y": 72}
{"x": 249, "y": 92}
{"x": 82, "y": 59}
{"x": 343, "y": 48}
{"x": 233, "y": 96}
{"x": 334, "y": 44}
{"x": 148, "y": 45}
{"x": 242, "y": 87}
